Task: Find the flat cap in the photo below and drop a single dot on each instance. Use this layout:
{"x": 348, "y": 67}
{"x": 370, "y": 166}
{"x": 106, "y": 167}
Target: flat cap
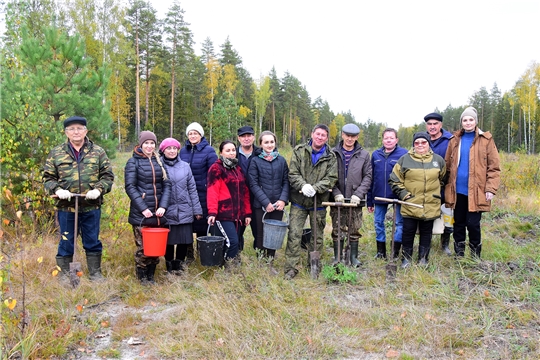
{"x": 351, "y": 129}
{"x": 433, "y": 116}
{"x": 246, "y": 130}
{"x": 74, "y": 120}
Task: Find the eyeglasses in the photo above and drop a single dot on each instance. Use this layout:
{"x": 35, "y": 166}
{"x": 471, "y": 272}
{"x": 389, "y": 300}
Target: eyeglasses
{"x": 76, "y": 129}
{"x": 420, "y": 142}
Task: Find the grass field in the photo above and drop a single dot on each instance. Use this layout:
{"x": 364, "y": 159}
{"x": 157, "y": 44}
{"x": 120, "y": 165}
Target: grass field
{"x": 466, "y": 309}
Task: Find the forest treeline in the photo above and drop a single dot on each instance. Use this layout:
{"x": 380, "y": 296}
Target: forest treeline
{"x": 127, "y": 70}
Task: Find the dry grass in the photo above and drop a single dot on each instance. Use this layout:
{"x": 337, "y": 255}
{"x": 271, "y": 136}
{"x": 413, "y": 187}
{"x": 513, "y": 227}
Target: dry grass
{"x": 465, "y": 309}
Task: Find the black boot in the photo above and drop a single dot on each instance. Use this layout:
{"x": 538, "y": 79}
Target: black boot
{"x": 150, "y": 271}
{"x": 445, "y": 241}
{"x": 381, "y": 250}
{"x": 177, "y": 267}
{"x": 423, "y": 254}
{"x": 354, "y": 254}
{"x": 459, "y": 248}
{"x": 93, "y": 260}
{"x": 169, "y": 267}
{"x": 397, "y": 249}
{"x": 475, "y": 250}
{"x": 335, "y": 261}
{"x": 407, "y": 257}
{"x": 63, "y": 263}
{"x": 142, "y": 274}
{"x": 190, "y": 255}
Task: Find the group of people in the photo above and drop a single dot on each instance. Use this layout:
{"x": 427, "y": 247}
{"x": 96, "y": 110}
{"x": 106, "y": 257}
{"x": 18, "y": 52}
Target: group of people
{"x": 191, "y": 189}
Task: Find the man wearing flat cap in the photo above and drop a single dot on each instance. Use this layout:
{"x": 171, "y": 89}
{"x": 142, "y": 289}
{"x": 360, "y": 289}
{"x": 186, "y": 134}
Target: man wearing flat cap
{"x": 246, "y": 151}
{"x": 439, "y": 143}
{"x": 353, "y": 184}
{"x": 78, "y": 166}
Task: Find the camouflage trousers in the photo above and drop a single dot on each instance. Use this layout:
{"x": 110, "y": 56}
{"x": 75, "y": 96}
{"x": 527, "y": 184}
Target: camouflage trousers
{"x": 297, "y": 220}
{"x": 140, "y": 259}
{"x": 356, "y": 223}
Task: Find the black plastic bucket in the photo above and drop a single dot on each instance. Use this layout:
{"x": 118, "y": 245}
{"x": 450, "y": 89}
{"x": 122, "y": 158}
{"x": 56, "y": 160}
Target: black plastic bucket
{"x": 210, "y": 250}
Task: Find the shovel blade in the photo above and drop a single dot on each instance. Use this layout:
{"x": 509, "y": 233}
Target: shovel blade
{"x": 75, "y": 273}
{"x": 315, "y": 264}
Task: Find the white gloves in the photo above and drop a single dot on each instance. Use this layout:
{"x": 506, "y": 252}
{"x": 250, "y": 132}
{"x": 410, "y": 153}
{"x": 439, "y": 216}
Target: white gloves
{"x": 339, "y": 198}
{"x": 355, "y": 200}
{"x": 308, "y": 190}
{"x": 93, "y": 194}
{"x": 63, "y": 194}
{"x": 489, "y": 196}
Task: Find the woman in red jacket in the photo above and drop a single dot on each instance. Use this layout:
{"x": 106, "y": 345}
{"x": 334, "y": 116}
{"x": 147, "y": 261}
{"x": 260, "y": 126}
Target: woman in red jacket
{"x": 228, "y": 196}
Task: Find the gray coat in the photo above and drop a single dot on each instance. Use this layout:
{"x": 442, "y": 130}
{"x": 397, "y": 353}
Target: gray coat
{"x": 184, "y": 203}
{"x": 358, "y": 180}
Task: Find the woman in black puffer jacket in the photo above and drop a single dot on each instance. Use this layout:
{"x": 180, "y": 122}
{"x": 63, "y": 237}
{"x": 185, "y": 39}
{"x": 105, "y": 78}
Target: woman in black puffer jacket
{"x": 149, "y": 190}
{"x": 269, "y": 182}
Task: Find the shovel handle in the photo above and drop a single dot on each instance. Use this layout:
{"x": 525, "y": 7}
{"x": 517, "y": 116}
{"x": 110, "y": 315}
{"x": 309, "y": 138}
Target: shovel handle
{"x": 396, "y": 201}
{"x": 338, "y": 204}
{"x": 72, "y": 194}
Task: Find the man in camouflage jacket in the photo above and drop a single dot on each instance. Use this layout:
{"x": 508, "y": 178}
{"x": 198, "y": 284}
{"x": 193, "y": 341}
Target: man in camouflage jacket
{"x": 312, "y": 171}
{"x": 78, "y": 166}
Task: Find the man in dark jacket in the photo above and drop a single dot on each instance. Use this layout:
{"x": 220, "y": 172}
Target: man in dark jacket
{"x": 246, "y": 151}
{"x": 312, "y": 172}
{"x": 78, "y": 166}
{"x": 439, "y": 144}
{"x": 353, "y": 183}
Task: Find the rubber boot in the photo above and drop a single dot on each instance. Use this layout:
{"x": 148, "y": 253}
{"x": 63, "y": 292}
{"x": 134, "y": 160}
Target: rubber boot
{"x": 177, "y": 267}
{"x": 407, "y": 257}
{"x": 93, "y": 260}
{"x": 335, "y": 260}
{"x": 445, "y": 241}
{"x": 63, "y": 264}
{"x": 459, "y": 248}
{"x": 169, "y": 267}
{"x": 381, "y": 250}
{"x": 142, "y": 275}
{"x": 397, "y": 249}
{"x": 190, "y": 255}
{"x": 475, "y": 250}
{"x": 423, "y": 254}
{"x": 151, "y": 270}
{"x": 354, "y": 254}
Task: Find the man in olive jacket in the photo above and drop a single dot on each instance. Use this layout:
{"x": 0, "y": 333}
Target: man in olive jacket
{"x": 78, "y": 166}
{"x": 354, "y": 182}
{"x": 312, "y": 172}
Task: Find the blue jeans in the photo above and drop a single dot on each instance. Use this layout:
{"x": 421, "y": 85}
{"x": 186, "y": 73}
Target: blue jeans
{"x": 88, "y": 228}
{"x": 380, "y": 217}
{"x": 232, "y": 234}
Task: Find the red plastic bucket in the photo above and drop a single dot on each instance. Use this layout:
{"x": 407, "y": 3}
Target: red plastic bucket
{"x": 154, "y": 241}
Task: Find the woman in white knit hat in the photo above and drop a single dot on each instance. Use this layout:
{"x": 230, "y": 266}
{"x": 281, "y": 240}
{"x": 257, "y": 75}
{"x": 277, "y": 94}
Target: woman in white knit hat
{"x": 474, "y": 175}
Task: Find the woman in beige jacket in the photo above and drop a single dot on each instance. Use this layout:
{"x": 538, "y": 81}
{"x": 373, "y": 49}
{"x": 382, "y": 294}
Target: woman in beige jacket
{"x": 474, "y": 175}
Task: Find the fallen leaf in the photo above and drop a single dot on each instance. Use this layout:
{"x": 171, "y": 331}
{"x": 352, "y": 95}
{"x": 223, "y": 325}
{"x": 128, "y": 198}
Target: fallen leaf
{"x": 79, "y": 308}
{"x": 27, "y": 205}
{"x": 40, "y": 259}
{"x": 486, "y": 293}
{"x": 64, "y": 237}
{"x": 6, "y": 222}
{"x": 142, "y": 353}
{"x": 392, "y": 353}
{"x": 461, "y": 352}
{"x": 397, "y": 328}
{"x": 79, "y": 273}
{"x": 19, "y": 214}
{"x": 8, "y": 194}
{"x": 220, "y": 342}
{"x": 153, "y": 304}
{"x": 510, "y": 326}
{"x": 85, "y": 301}
{"x": 105, "y": 324}
{"x": 10, "y": 303}
{"x": 81, "y": 349}
{"x": 429, "y": 317}
{"x": 403, "y": 314}
{"x": 308, "y": 338}
{"x": 54, "y": 273}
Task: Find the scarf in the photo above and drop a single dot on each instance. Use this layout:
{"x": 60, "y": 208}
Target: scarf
{"x": 229, "y": 163}
{"x": 268, "y": 156}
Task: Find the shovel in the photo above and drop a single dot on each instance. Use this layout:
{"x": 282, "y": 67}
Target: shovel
{"x": 339, "y": 205}
{"x": 75, "y": 268}
{"x": 315, "y": 256}
{"x": 391, "y": 267}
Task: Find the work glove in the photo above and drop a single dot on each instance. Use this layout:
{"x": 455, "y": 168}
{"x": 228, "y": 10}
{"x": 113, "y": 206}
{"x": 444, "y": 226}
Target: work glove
{"x": 355, "y": 200}
{"x": 63, "y": 194}
{"x": 489, "y": 196}
{"x": 93, "y": 194}
{"x": 308, "y": 190}
{"x": 339, "y": 198}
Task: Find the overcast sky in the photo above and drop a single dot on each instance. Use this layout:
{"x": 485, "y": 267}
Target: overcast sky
{"x": 392, "y": 61}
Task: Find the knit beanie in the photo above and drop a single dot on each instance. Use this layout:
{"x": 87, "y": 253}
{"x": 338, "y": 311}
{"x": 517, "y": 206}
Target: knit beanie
{"x": 421, "y": 135}
{"x": 147, "y": 135}
{"x": 169, "y": 142}
{"x": 195, "y": 126}
{"x": 470, "y": 111}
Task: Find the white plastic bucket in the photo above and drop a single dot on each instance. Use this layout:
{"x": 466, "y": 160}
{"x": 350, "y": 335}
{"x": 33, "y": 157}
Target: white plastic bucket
{"x": 448, "y": 216}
